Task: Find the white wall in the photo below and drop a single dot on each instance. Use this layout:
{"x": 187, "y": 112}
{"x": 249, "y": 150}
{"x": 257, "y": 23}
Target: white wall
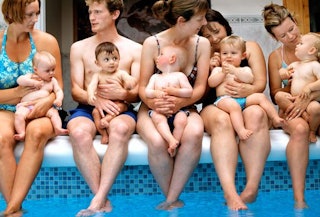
{"x": 241, "y": 7}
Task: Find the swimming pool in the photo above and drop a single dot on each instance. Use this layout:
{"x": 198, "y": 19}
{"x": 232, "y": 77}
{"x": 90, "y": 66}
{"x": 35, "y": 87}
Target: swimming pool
{"x": 62, "y": 191}
{"x": 268, "y": 204}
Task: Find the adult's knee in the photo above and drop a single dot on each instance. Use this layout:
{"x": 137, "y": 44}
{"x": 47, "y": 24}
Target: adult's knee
{"x": 38, "y": 133}
{"x": 121, "y": 128}
{"x": 6, "y": 145}
{"x": 255, "y": 117}
{"x": 300, "y": 129}
{"x": 79, "y": 136}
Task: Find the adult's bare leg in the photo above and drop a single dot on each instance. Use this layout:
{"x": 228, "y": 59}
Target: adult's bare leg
{"x": 224, "y": 152}
{"x": 120, "y": 130}
{"x": 8, "y": 163}
{"x": 81, "y": 133}
{"x": 161, "y": 164}
{"x": 38, "y": 132}
{"x": 186, "y": 159}
{"x": 297, "y": 157}
{"x": 255, "y": 150}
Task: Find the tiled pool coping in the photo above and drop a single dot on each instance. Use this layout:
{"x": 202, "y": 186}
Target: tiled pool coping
{"x": 64, "y": 182}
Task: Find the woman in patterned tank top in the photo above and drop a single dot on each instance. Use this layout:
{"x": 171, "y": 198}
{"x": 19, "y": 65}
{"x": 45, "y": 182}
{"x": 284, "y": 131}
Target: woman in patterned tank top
{"x": 19, "y": 43}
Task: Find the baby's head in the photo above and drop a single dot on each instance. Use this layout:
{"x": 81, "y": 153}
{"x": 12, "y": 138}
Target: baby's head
{"x": 44, "y": 65}
{"x": 107, "y": 56}
{"x": 172, "y": 56}
{"x": 232, "y": 50}
{"x": 309, "y": 47}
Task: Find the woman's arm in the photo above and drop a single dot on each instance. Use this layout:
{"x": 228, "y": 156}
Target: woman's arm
{"x": 216, "y": 77}
{"x": 148, "y": 56}
{"x": 275, "y": 81}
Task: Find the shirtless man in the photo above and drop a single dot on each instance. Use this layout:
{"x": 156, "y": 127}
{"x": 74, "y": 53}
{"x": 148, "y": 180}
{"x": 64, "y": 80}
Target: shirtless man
{"x": 101, "y": 176}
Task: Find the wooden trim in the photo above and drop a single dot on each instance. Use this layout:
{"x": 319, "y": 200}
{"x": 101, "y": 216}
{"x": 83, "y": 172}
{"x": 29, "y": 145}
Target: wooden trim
{"x": 300, "y": 8}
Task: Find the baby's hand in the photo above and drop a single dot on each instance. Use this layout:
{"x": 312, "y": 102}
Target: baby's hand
{"x": 228, "y": 68}
{"x": 160, "y": 93}
{"x": 286, "y": 73}
{"x": 215, "y": 60}
{"x": 91, "y": 99}
{"x": 305, "y": 94}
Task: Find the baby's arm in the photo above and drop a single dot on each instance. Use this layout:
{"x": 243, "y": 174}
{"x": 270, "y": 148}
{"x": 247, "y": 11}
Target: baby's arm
{"x": 150, "y": 90}
{"x": 184, "y": 90}
{"x": 27, "y": 80}
{"x": 92, "y": 87}
{"x": 217, "y": 77}
{"x": 59, "y": 93}
{"x": 243, "y": 74}
{"x": 129, "y": 81}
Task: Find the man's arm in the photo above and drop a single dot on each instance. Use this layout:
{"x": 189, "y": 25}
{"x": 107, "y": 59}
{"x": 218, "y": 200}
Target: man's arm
{"x": 77, "y": 74}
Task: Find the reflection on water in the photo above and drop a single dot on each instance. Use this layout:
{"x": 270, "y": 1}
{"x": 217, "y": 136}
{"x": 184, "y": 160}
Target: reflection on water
{"x": 268, "y": 204}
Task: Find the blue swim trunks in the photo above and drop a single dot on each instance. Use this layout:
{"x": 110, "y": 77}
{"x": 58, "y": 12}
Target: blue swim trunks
{"x": 240, "y": 101}
{"x": 86, "y": 111}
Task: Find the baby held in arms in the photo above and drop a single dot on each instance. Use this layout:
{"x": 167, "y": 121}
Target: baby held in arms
{"x": 232, "y": 52}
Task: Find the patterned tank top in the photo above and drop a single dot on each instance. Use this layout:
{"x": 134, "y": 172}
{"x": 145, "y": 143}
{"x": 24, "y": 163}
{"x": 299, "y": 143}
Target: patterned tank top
{"x": 10, "y": 71}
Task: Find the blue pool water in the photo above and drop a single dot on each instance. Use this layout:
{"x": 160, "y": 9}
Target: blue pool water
{"x": 268, "y": 204}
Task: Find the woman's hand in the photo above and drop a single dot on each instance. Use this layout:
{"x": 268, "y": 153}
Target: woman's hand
{"x": 297, "y": 108}
{"x": 21, "y": 91}
{"x": 41, "y": 106}
{"x": 238, "y": 89}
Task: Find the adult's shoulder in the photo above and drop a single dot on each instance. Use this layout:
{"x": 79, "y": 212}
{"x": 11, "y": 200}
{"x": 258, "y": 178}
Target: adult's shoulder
{"x": 204, "y": 43}
{"x": 275, "y": 55}
{"x": 83, "y": 44}
{"x": 129, "y": 42}
{"x": 252, "y": 46}
{"x": 41, "y": 36}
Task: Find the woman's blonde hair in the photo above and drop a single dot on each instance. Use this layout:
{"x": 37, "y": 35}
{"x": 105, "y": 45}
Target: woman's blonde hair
{"x": 274, "y": 15}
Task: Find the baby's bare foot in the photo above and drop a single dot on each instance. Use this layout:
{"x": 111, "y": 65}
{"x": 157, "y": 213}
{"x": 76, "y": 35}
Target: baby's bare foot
{"x": 244, "y": 134}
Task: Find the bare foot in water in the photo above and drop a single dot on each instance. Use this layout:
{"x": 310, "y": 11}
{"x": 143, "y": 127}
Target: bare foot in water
{"x": 170, "y": 205}
{"x": 248, "y": 196}
{"x": 93, "y": 209}
{"x": 301, "y": 205}
{"x": 235, "y": 203}
{"x": 18, "y": 213}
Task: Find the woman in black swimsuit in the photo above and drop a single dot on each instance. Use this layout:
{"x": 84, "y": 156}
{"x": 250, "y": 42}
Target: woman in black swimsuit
{"x": 185, "y": 17}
